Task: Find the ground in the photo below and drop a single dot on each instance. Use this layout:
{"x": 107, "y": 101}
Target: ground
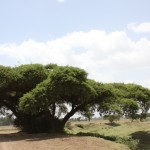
{"x": 11, "y": 139}
{"x": 139, "y": 131}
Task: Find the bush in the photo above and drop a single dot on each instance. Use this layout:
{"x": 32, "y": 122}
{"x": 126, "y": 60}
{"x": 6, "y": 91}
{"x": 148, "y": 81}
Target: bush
{"x": 112, "y": 118}
{"x": 68, "y": 125}
{"x": 129, "y": 141}
{"x": 80, "y": 125}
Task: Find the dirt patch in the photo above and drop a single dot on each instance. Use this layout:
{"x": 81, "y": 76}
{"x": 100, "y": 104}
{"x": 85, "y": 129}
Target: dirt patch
{"x": 21, "y": 141}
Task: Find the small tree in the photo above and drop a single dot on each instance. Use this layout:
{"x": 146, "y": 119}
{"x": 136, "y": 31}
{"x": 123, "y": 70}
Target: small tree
{"x": 112, "y": 117}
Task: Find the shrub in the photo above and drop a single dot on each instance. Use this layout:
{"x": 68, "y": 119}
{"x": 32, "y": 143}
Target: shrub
{"x": 80, "y": 125}
{"x": 112, "y": 118}
{"x": 129, "y": 141}
{"x": 68, "y": 125}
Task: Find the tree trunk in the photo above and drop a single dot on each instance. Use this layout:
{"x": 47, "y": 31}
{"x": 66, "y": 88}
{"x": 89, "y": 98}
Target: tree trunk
{"x": 70, "y": 114}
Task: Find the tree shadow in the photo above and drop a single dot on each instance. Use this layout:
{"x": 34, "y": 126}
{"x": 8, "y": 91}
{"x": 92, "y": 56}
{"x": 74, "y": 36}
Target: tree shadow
{"x": 113, "y": 124}
{"x": 144, "y": 139}
{"x": 19, "y": 136}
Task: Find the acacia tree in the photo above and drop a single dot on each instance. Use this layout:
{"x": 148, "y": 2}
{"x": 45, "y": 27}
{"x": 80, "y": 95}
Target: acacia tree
{"x": 130, "y": 99}
{"x": 48, "y": 101}
{"x": 39, "y": 95}
{"x": 142, "y": 97}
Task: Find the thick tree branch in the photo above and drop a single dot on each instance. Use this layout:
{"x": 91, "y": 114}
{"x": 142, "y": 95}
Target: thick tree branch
{"x": 53, "y": 109}
{"x": 5, "y": 104}
{"x": 71, "y": 113}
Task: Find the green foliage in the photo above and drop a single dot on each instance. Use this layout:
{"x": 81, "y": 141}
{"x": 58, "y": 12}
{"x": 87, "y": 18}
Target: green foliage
{"x": 17, "y": 81}
{"x": 65, "y": 85}
{"x": 130, "y": 108}
{"x": 7, "y": 76}
{"x": 35, "y": 101}
{"x": 130, "y": 98}
{"x": 105, "y": 97}
{"x": 111, "y": 138}
{"x": 142, "y": 96}
{"x": 14, "y": 82}
{"x": 129, "y": 141}
{"x": 31, "y": 75}
{"x": 70, "y": 84}
{"x": 42, "y": 95}
{"x": 51, "y": 67}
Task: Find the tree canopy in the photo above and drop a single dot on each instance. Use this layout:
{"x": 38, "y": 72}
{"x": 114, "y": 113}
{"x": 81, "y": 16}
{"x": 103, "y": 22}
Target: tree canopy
{"x": 43, "y": 98}
{"x": 64, "y": 86}
{"x": 130, "y": 98}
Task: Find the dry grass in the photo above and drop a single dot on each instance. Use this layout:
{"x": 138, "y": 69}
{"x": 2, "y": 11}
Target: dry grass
{"x": 8, "y": 129}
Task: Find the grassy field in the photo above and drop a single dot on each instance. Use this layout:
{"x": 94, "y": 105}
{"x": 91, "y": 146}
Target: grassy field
{"x": 122, "y": 132}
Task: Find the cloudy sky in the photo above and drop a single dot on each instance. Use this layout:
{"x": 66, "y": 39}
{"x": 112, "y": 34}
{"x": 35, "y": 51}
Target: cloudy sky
{"x": 110, "y": 39}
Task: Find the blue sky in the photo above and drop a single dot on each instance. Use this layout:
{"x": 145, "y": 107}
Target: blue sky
{"x": 42, "y": 20}
{"x": 108, "y": 38}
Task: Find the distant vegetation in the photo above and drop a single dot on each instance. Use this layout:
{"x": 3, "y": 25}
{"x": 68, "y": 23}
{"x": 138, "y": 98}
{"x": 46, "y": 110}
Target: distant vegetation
{"x": 43, "y": 98}
{"x": 5, "y": 121}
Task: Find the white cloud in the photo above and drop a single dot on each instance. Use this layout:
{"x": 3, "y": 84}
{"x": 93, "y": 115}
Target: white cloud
{"x": 139, "y": 28}
{"x": 61, "y": 1}
{"x": 112, "y": 57}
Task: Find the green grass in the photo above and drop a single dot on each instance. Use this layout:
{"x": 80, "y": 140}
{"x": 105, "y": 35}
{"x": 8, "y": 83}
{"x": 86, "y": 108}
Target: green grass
{"x": 125, "y": 132}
